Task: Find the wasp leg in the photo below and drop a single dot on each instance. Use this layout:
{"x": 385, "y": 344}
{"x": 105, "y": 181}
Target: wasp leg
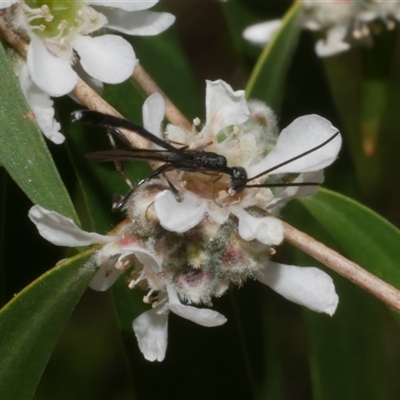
{"x": 119, "y": 201}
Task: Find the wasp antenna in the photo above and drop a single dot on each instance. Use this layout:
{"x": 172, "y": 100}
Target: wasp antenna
{"x": 294, "y": 158}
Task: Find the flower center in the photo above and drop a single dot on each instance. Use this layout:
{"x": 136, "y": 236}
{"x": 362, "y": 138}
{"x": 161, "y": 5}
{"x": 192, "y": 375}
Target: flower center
{"x": 52, "y": 18}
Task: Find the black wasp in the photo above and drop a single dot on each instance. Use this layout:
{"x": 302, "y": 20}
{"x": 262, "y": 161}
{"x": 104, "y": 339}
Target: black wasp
{"x": 173, "y": 157}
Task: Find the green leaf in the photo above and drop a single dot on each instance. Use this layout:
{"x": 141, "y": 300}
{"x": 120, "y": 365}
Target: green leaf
{"x": 348, "y": 352}
{"x": 364, "y": 92}
{"x": 368, "y": 239}
{"x": 23, "y": 151}
{"x": 238, "y": 16}
{"x": 32, "y": 321}
{"x": 373, "y": 102}
{"x": 348, "y": 358}
{"x": 268, "y": 78}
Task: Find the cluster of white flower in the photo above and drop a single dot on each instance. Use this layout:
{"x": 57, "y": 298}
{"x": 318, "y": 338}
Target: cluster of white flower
{"x": 344, "y": 22}
{"x": 186, "y": 251}
{"x": 62, "y": 47}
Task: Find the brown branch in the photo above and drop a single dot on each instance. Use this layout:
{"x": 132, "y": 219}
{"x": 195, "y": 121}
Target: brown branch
{"x": 149, "y": 86}
{"x": 12, "y": 37}
{"x": 348, "y": 269}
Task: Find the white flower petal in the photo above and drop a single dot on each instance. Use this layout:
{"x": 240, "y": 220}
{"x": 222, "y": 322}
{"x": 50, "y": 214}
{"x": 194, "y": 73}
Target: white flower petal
{"x": 7, "y": 3}
{"x": 303, "y": 134}
{"x": 201, "y": 316}
{"x": 124, "y": 5}
{"x": 266, "y": 230}
{"x": 140, "y": 23}
{"x": 41, "y": 105}
{"x": 307, "y": 286}
{"x": 61, "y": 230}
{"x": 224, "y": 107}
{"x": 105, "y": 278}
{"x": 179, "y": 216}
{"x": 217, "y": 213}
{"x": 108, "y": 58}
{"x": 50, "y": 73}
{"x": 291, "y": 192}
{"x": 153, "y": 114}
{"x": 148, "y": 260}
{"x": 367, "y": 15}
{"x": 333, "y": 44}
{"x": 115, "y": 252}
{"x": 151, "y": 330}
{"x": 261, "y": 34}
{"x": 95, "y": 84}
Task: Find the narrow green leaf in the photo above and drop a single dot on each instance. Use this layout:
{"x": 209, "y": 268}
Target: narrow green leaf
{"x": 373, "y": 102}
{"x": 268, "y": 78}
{"x": 369, "y": 239}
{"x": 359, "y": 347}
{"x": 364, "y": 90}
{"x": 348, "y": 351}
{"x": 238, "y": 16}
{"x": 32, "y": 321}
{"x": 23, "y": 151}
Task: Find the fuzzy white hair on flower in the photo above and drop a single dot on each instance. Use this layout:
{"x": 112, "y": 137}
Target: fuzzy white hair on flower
{"x": 345, "y": 23}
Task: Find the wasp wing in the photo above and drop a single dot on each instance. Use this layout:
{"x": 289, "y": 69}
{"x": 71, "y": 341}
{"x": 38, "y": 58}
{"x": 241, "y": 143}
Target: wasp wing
{"x": 130, "y": 155}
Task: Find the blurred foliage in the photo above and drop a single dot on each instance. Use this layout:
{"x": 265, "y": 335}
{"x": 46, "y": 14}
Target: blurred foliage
{"x": 269, "y": 348}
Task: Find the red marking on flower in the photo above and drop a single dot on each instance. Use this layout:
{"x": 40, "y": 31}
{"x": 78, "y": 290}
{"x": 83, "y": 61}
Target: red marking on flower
{"x": 232, "y": 256}
{"x": 127, "y": 240}
{"x": 194, "y": 278}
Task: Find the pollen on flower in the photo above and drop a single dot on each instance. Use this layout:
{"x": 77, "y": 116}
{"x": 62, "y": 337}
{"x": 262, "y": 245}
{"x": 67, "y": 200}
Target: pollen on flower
{"x": 260, "y": 196}
{"x": 62, "y": 25}
{"x": 78, "y": 15}
{"x": 238, "y": 153}
{"x": 123, "y": 263}
{"x": 196, "y": 121}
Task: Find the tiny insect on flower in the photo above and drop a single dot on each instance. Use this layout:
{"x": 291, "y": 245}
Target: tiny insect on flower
{"x": 185, "y": 159}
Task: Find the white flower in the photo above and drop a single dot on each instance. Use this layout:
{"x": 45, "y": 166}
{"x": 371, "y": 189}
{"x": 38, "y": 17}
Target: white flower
{"x": 113, "y": 259}
{"x": 244, "y": 133}
{"x": 41, "y": 105}
{"x": 61, "y": 46}
{"x": 343, "y": 23}
{"x": 201, "y": 273}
